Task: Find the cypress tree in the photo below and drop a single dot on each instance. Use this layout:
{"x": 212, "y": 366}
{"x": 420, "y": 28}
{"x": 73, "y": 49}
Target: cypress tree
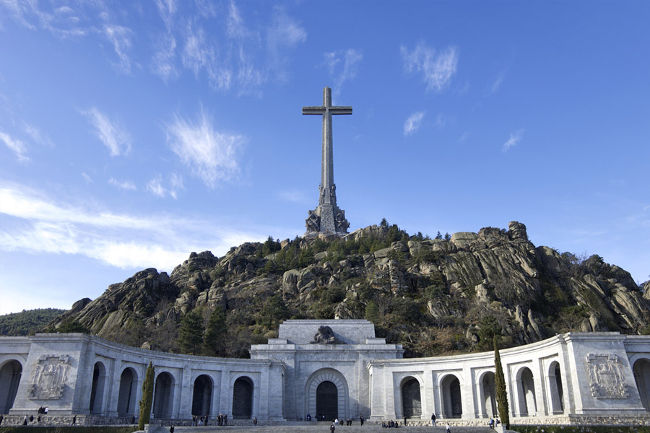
{"x": 500, "y": 385}
{"x": 147, "y": 397}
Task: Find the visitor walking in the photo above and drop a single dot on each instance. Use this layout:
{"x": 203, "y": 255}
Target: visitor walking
{"x": 448, "y": 429}
{"x": 332, "y": 428}
{"x": 433, "y": 419}
{"x": 361, "y": 420}
{"x": 171, "y": 428}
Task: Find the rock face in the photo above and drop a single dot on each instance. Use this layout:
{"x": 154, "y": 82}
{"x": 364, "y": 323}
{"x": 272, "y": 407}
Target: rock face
{"x": 433, "y": 296}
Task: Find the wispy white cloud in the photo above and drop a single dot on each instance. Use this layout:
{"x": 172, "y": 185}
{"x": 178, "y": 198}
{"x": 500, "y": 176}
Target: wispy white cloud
{"x": 513, "y": 140}
{"x": 437, "y": 68}
{"x": 210, "y": 154}
{"x": 158, "y": 187}
{"x": 120, "y": 240}
{"x": 15, "y": 145}
{"x": 122, "y": 184}
{"x": 498, "y": 81}
{"x": 413, "y": 122}
{"x": 109, "y": 132}
{"x": 120, "y": 38}
{"x": 87, "y": 177}
{"x": 343, "y": 66}
{"x": 283, "y": 34}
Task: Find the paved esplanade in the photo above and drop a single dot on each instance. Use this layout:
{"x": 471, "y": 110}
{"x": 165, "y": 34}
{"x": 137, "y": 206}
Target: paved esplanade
{"x": 327, "y": 217}
{"x": 324, "y": 428}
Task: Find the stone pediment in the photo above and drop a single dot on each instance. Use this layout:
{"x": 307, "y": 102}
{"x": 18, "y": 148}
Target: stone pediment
{"x": 342, "y": 331}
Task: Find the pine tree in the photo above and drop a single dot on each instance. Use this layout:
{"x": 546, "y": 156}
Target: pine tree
{"x": 147, "y": 397}
{"x": 190, "y": 333}
{"x": 500, "y": 385}
{"x": 372, "y": 312}
{"x": 215, "y": 334}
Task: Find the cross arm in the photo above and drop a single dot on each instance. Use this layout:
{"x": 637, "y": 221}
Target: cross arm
{"x": 313, "y": 110}
{"x": 340, "y": 110}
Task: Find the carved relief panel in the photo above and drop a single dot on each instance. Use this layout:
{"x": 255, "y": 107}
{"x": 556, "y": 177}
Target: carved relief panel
{"x": 606, "y": 377}
{"x": 49, "y": 378}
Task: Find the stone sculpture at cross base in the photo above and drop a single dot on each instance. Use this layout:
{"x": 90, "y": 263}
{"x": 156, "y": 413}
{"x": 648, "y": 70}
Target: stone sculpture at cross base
{"x": 327, "y": 218}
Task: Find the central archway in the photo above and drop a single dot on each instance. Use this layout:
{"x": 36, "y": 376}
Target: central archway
{"x": 10, "y": 374}
{"x": 330, "y": 380}
{"x": 327, "y": 406}
{"x": 411, "y": 400}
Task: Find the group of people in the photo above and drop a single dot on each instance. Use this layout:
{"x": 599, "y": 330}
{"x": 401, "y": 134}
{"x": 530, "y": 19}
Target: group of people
{"x": 493, "y": 422}
{"x": 202, "y": 420}
{"x": 390, "y": 424}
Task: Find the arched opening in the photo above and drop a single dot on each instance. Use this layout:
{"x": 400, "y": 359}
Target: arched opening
{"x": 555, "y": 388}
{"x": 411, "y": 402}
{"x": 242, "y": 398}
{"x": 128, "y": 389}
{"x": 641, "y": 371}
{"x": 202, "y": 395}
{"x": 327, "y": 401}
{"x": 489, "y": 395}
{"x": 10, "y": 374}
{"x": 452, "y": 405}
{"x": 163, "y": 394}
{"x": 526, "y": 385}
{"x": 313, "y": 394}
{"x": 97, "y": 390}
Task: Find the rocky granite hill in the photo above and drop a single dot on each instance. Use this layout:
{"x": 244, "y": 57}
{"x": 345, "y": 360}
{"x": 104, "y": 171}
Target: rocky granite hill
{"x": 432, "y": 295}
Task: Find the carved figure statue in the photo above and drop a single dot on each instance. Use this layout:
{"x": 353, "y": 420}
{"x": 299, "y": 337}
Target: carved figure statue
{"x": 325, "y": 335}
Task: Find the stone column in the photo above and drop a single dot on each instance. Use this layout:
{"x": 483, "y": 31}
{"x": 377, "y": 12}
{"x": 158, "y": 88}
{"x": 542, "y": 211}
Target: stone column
{"x": 467, "y": 394}
{"x": 186, "y": 388}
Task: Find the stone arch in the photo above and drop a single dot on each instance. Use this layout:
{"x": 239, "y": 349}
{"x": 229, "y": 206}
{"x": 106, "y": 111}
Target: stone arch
{"x": 202, "y": 395}
{"x": 10, "y": 375}
{"x": 242, "y": 398}
{"x": 526, "y": 392}
{"x": 127, "y": 392}
{"x": 555, "y": 388}
{"x": 641, "y": 371}
{"x": 452, "y": 403}
{"x": 411, "y": 397}
{"x": 96, "y": 404}
{"x": 163, "y": 395}
{"x": 338, "y": 380}
{"x": 488, "y": 394}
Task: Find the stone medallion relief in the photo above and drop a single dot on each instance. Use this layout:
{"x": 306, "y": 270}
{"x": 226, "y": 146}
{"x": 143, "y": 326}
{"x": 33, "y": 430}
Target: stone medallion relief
{"x": 50, "y": 376}
{"x": 606, "y": 377}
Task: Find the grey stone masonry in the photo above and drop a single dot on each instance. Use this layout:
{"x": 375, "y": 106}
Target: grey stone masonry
{"x": 327, "y": 218}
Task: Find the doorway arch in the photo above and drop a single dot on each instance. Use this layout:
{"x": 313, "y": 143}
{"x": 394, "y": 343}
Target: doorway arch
{"x": 97, "y": 389}
{"x": 488, "y": 392}
{"x": 411, "y": 398}
{"x": 10, "y": 375}
{"x": 163, "y": 395}
{"x": 202, "y": 395}
{"x": 327, "y": 397}
{"x": 555, "y": 388}
{"x": 127, "y": 393}
{"x": 641, "y": 372}
{"x": 242, "y": 398}
{"x": 526, "y": 392}
{"x": 452, "y": 404}
{"x": 311, "y": 387}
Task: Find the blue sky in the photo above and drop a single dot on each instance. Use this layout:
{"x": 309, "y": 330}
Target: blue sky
{"x": 132, "y": 133}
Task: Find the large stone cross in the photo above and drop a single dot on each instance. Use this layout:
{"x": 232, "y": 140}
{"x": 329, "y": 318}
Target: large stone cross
{"x": 327, "y": 218}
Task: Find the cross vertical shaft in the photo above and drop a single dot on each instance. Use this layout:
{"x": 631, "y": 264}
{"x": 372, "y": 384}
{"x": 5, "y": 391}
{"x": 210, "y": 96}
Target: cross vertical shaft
{"x": 327, "y": 217}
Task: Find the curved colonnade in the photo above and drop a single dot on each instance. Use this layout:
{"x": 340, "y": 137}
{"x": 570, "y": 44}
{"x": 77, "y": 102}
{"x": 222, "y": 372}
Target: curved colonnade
{"x": 563, "y": 378}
